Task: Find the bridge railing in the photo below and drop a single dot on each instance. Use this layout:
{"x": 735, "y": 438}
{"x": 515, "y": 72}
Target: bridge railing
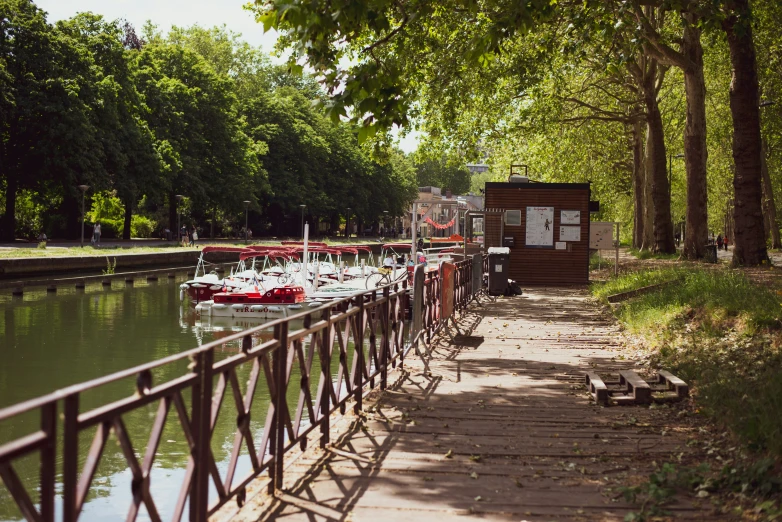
{"x": 342, "y": 350}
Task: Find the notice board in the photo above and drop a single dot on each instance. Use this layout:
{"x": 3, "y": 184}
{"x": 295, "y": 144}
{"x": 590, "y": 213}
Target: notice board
{"x": 539, "y": 227}
{"x": 601, "y": 235}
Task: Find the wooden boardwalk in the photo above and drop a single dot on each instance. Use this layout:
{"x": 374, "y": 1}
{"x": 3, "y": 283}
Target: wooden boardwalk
{"x": 501, "y": 429}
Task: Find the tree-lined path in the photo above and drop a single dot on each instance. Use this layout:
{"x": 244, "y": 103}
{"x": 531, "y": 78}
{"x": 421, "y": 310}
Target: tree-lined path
{"x": 501, "y": 428}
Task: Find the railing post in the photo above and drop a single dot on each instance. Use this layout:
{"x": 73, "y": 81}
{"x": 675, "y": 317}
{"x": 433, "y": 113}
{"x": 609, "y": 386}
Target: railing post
{"x": 386, "y": 334}
{"x": 325, "y": 377}
{"x": 403, "y": 310}
{"x": 48, "y": 460}
{"x": 358, "y": 378}
{"x": 70, "y": 458}
{"x": 281, "y": 382}
{"x": 201, "y": 418}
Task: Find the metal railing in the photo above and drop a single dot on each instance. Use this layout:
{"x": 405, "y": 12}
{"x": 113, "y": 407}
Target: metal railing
{"x": 363, "y": 336}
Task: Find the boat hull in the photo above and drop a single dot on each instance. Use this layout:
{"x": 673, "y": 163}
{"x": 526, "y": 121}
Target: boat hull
{"x": 253, "y": 311}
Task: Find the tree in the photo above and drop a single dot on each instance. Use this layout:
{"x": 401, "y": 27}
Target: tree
{"x": 689, "y": 58}
{"x": 47, "y": 134}
{"x": 199, "y": 133}
{"x": 129, "y": 156}
{"x": 749, "y": 241}
{"x": 443, "y": 175}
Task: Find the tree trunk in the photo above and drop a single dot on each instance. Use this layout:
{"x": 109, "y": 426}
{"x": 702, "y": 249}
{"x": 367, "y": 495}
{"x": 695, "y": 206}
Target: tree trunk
{"x": 769, "y": 207}
{"x": 647, "y": 242}
{"x": 638, "y": 186}
{"x": 695, "y": 150}
{"x": 749, "y": 243}
{"x": 8, "y": 224}
{"x": 128, "y": 215}
{"x": 663, "y": 227}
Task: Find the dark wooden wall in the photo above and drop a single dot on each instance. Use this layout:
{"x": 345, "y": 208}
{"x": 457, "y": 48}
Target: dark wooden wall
{"x": 544, "y": 266}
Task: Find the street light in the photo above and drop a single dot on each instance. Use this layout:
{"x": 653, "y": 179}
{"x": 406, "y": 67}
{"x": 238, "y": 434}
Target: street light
{"x": 83, "y": 189}
{"x": 179, "y": 198}
{"x": 385, "y": 221}
{"x": 302, "y": 219}
{"x": 246, "y": 209}
{"x": 347, "y": 223}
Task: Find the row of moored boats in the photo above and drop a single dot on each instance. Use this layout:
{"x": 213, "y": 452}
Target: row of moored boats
{"x": 270, "y": 282}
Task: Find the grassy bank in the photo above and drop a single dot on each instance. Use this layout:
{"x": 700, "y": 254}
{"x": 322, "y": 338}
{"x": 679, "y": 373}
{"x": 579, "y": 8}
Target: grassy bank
{"x": 720, "y": 332}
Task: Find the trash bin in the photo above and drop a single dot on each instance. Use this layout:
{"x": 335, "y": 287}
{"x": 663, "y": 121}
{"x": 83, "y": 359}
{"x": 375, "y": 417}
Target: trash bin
{"x": 711, "y": 253}
{"x": 499, "y": 259}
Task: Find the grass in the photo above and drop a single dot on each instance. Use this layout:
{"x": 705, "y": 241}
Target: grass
{"x": 721, "y": 333}
{"x": 648, "y": 254}
{"x": 633, "y": 280}
{"x": 598, "y": 263}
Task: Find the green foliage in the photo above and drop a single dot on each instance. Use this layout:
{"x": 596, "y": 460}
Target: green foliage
{"x": 193, "y": 112}
{"x": 141, "y": 226}
{"x": 110, "y": 268}
{"x": 596, "y": 262}
{"x": 718, "y": 331}
{"x": 716, "y": 295}
{"x": 105, "y": 206}
{"x": 42, "y": 245}
{"x": 660, "y": 489}
{"x": 443, "y": 175}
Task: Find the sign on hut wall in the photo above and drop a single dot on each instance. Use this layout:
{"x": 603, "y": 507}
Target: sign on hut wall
{"x": 540, "y": 227}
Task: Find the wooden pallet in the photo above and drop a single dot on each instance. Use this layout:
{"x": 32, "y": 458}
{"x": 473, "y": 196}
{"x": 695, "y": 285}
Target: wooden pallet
{"x": 632, "y": 389}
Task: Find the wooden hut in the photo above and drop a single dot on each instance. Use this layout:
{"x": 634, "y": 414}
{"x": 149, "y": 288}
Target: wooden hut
{"x": 546, "y": 227}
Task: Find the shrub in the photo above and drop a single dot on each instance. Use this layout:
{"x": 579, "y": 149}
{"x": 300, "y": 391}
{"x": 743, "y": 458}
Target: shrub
{"x": 141, "y": 226}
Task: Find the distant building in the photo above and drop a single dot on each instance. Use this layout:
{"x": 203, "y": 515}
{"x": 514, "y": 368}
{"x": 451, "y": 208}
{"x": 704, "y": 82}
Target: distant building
{"x": 442, "y": 215}
{"x": 477, "y": 168}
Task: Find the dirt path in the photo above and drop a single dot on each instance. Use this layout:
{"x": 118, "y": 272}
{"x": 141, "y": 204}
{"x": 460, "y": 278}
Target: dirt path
{"x": 501, "y": 429}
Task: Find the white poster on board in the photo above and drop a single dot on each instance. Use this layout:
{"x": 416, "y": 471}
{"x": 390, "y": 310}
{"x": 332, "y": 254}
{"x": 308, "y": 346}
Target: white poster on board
{"x": 540, "y": 227}
{"x": 601, "y": 235}
{"x": 569, "y": 217}
{"x": 570, "y": 233}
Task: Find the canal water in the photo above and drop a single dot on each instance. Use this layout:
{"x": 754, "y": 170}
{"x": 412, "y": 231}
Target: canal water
{"x": 49, "y": 341}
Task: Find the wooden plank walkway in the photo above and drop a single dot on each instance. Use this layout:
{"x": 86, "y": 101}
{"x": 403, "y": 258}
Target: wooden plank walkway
{"x": 502, "y": 429}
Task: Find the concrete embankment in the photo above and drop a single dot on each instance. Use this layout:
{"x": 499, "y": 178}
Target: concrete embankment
{"x": 39, "y": 266}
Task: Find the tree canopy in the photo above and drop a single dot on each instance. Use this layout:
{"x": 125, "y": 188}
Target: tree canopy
{"x": 604, "y": 90}
{"x": 194, "y": 122}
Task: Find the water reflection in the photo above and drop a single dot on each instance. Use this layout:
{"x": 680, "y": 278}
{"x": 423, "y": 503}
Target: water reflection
{"x": 50, "y": 341}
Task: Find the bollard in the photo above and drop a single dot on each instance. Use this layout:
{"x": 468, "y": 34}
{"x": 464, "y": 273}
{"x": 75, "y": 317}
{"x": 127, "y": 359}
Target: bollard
{"x": 106, "y": 282}
{"x": 341, "y": 271}
{"x": 51, "y": 288}
{"x": 128, "y": 280}
{"x": 151, "y": 278}
{"x": 17, "y": 291}
{"x": 172, "y": 275}
{"x": 80, "y": 285}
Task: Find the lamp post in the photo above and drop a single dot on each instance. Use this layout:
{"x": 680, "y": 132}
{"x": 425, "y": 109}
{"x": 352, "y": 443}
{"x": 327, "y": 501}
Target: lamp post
{"x": 246, "y": 209}
{"x": 83, "y": 189}
{"x": 302, "y": 219}
{"x": 385, "y": 222}
{"x": 347, "y": 223}
{"x": 179, "y": 198}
